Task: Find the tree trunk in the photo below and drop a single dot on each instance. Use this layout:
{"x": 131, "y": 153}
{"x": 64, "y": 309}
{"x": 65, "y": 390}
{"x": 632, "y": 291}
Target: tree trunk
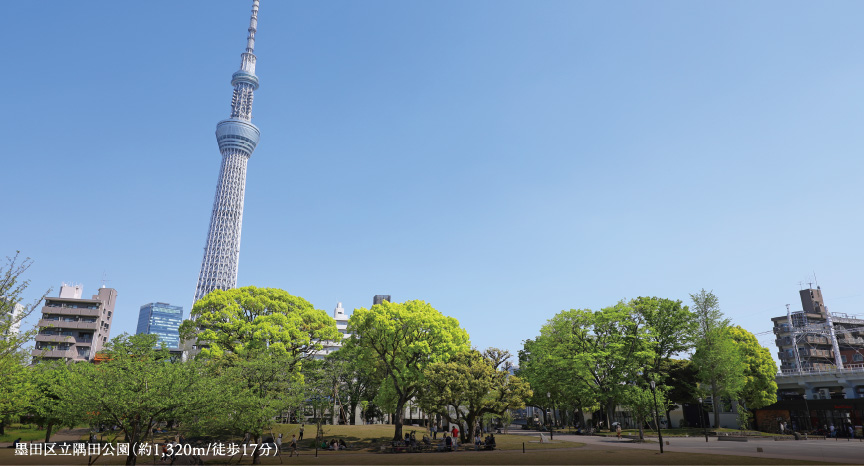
{"x": 714, "y": 403}
{"x": 256, "y": 455}
{"x": 2, "y": 426}
{"x": 352, "y": 416}
{"x": 48, "y": 431}
{"x": 397, "y": 420}
{"x": 609, "y": 415}
{"x": 132, "y": 459}
{"x": 554, "y": 415}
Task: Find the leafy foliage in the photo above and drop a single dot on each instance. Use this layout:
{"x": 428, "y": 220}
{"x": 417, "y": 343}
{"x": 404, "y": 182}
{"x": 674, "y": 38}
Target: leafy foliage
{"x": 760, "y": 370}
{"x": 395, "y": 342}
{"x": 232, "y": 323}
{"x": 471, "y": 385}
{"x": 718, "y": 363}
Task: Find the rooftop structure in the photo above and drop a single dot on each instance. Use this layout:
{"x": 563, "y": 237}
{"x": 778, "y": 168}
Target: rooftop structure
{"x": 237, "y": 138}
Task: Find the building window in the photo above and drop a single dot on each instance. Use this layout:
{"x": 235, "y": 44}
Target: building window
{"x": 858, "y": 357}
{"x": 843, "y": 357}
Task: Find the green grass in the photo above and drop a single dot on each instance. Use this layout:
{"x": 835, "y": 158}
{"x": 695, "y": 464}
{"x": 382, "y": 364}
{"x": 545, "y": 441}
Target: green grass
{"x": 27, "y": 432}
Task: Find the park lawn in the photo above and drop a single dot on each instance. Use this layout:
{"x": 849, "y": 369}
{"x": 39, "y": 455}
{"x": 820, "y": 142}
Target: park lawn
{"x": 560, "y": 456}
{"x": 27, "y": 432}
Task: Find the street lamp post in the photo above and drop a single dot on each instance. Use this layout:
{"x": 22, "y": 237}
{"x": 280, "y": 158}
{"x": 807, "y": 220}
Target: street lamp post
{"x": 551, "y": 425}
{"x": 701, "y": 420}
{"x": 656, "y": 415}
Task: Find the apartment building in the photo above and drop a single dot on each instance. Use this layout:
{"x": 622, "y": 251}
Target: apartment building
{"x": 72, "y": 327}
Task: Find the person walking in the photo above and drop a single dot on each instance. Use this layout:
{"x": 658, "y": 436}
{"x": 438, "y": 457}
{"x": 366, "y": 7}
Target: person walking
{"x": 301, "y": 431}
{"x": 455, "y": 431}
{"x": 434, "y": 432}
{"x": 279, "y": 445}
{"x": 618, "y": 431}
{"x": 293, "y": 446}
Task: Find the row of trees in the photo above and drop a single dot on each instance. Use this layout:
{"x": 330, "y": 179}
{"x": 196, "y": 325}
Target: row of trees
{"x": 596, "y": 360}
{"x": 255, "y": 361}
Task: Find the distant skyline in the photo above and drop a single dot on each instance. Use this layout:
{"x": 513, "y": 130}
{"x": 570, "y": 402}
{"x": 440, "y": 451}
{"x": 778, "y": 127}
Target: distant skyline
{"x": 501, "y": 160}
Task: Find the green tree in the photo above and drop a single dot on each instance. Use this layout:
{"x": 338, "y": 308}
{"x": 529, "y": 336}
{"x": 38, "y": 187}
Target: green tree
{"x": 250, "y": 393}
{"x": 395, "y": 342}
{"x": 548, "y": 372}
{"x": 671, "y": 328}
{"x": 606, "y": 349}
{"x": 134, "y": 388}
{"x": 50, "y": 379}
{"x": 760, "y": 372}
{"x": 353, "y": 385}
{"x": 719, "y": 365}
{"x": 256, "y": 341}
{"x": 682, "y": 385}
{"x": 640, "y": 399}
{"x": 16, "y": 388}
{"x": 471, "y": 385}
{"x": 231, "y": 323}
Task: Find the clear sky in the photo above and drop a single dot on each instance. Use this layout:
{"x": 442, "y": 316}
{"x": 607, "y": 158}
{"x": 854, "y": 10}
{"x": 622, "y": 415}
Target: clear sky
{"x": 502, "y": 160}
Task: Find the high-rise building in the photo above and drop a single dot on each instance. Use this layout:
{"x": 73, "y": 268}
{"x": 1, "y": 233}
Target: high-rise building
{"x": 380, "y": 298}
{"x": 72, "y": 327}
{"x": 237, "y": 138}
{"x": 816, "y": 339}
{"x": 10, "y": 316}
{"x": 342, "y": 325}
{"x": 163, "y": 320}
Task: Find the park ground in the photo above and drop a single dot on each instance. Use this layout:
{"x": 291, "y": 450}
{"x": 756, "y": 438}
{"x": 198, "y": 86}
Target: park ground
{"x": 565, "y": 449}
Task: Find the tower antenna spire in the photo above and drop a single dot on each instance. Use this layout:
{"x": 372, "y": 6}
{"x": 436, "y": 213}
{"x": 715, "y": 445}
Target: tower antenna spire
{"x": 237, "y": 138}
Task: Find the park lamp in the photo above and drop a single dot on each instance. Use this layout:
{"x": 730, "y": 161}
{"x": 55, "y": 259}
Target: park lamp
{"x": 701, "y": 417}
{"x": 551, "y": 427}
{"x": 656, "y": 414}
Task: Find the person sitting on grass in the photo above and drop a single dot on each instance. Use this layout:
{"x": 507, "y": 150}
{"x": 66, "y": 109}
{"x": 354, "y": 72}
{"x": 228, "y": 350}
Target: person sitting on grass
{"x": 490, "y": 442}
{"x": 477, "y": 441}
{"x": 448, "y": 441}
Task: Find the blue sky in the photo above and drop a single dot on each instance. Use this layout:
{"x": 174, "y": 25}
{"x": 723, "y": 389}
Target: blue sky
{"x": 502, "y": 160}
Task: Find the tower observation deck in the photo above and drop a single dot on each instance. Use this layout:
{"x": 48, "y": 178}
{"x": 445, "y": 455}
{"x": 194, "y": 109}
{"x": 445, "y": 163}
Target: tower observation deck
{"x": 237, "y": 138}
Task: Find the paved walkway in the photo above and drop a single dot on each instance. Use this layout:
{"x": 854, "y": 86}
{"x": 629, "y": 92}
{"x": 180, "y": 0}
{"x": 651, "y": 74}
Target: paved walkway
{"x": 840, "y": 450}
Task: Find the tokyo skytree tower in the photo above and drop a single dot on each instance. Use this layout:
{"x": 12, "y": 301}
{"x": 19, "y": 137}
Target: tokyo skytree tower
{"x": 237, "y": 138}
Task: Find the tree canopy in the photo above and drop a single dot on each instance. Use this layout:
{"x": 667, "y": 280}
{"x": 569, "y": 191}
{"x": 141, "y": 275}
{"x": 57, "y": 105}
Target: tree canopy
{"x": 395, "y": 342}
{"x": 471, "y": 385}
{"x": 249, "y": 319}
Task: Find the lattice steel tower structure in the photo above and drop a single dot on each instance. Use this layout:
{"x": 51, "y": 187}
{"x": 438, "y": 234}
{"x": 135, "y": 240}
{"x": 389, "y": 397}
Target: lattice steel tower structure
{"x": 237, "y": 138}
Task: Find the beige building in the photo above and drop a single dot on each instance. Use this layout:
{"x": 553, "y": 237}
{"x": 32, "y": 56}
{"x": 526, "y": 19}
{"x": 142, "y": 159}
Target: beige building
{"x": 74, "y": 328}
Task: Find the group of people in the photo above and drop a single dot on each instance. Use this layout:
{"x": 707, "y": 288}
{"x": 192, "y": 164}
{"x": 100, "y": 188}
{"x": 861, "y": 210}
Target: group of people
{"x": 834, "y": 433}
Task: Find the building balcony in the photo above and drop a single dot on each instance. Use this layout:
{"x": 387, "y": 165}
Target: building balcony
{"x": 55, "y": 338}
{"x": 70, "y": 311}
{"x": 818, "y": 353}
{"x": 65, "y": 324}
{"x": 56, "y": 353}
